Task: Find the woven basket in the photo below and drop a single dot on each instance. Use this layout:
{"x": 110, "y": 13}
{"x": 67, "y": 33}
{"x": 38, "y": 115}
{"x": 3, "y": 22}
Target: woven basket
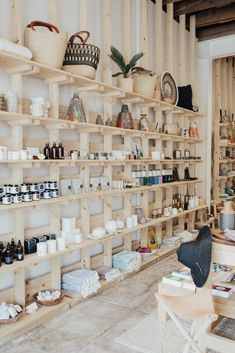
{"x": 48, "y": 47}
{"x": 12, "y": 320}
{"x": 49, "y": 302}
{"x": 81, "y": 58}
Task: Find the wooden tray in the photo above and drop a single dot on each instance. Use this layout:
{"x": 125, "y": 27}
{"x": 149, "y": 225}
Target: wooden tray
{"x": 12, "y": 320}
{"x": 49, "y": 302}
{"x": 219, "y": 237}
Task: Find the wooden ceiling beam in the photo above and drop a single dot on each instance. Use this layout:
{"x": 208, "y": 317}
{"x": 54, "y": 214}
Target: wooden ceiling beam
{"x": 193, "y": 6}
{"x": 215, "y": 16}
{"x": 216, "y": 31}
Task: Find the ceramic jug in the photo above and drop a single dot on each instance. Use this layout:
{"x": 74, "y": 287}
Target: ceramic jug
{"x": 125, "y": 118}
{"x": 227, "y": 216}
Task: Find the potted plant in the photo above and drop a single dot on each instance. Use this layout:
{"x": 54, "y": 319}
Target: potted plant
{"x": 144, "y": 81}
{"x": 126, "y": 82}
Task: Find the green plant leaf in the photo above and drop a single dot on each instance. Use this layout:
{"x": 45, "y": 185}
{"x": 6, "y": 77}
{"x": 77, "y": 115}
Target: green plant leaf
{"x": 134, "y": 60}
{"x": 118, "y": 58}
{"x": 142, "y": 72}
{"x": 117, "y": 74}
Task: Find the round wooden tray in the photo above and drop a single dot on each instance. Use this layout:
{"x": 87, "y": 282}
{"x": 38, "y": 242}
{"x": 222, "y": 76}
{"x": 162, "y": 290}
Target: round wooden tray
{"x": 12, "y": 320}
{"x": 219, "y": 237}
{"x": 49, "y": 302}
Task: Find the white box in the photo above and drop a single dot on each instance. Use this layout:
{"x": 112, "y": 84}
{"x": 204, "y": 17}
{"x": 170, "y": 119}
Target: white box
{"x": 68, "y": 224}
{"x": 65, "y": 185}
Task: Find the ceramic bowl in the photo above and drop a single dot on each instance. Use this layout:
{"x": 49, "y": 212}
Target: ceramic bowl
{"x": 110, "y": 227}
{"x": 98, "y": 232}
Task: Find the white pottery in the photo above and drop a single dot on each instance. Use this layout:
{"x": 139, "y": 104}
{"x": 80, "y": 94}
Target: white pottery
{"x": 110, "y": 227}
{"x": 126, "y": 84}
{"x": 98, "y": 232}
{"x": 119, "y": 223}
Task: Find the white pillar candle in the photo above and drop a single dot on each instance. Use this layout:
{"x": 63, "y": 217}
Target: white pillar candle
{"x": 129, "y": 222}
{"x": 42, "y": 248}
{"x": 51, "y": 245}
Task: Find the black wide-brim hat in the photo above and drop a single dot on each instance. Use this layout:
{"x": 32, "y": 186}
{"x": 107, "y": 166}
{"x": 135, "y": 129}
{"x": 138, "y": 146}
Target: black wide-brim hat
{"x": 197, "y": 256}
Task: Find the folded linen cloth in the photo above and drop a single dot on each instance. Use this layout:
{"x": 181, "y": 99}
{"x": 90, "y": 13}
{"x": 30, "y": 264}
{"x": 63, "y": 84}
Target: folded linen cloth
{"x": 81, "y": 281}
{"x": 127, "y": 261}
{"x": 230, "y": 233}
{"x": 107, "y": 273}
{"x": 15, "y": 49}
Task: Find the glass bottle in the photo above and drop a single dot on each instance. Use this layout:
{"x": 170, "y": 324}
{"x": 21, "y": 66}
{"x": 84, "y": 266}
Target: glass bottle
{"x": 99, "y": 120}
{"x": 53, "y": 151}
{"x": 8, "y": 255}
{"x": 143, "y": 123}
{"x": 19, "y": 252}
{"x": 13, "y": 247}
{"x": 47, "y": 151}
{"x": 60, "y": 151}
{"x": 125, "y": 118}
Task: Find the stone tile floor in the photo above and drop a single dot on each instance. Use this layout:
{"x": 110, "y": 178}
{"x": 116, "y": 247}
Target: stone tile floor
{"x": 93, "y": 325}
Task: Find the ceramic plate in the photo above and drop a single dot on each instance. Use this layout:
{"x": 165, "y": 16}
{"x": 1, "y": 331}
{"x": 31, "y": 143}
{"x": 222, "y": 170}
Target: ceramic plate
{"x": 169, "y": 88}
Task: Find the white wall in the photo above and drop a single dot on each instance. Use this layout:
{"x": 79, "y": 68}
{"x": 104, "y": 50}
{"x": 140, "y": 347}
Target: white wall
{"x": 68, "y": 20}
{"x": 207, "y": 52}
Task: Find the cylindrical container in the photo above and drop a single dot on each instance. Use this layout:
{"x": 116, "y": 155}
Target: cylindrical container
{"x": 42, "y": 248}
{"x": 33, "y": 187}
{"x": 14, "y": 189}
{"x": 129, "y": 222}
{"x": 36, "y": 196}
{"x": 135, "y": 220}
{"x": 23, "y": 154}
{"x": 7, "y": 199}
{"x": 227, "y": 216}
{"x": 78, "y": 238}
{"x": 46, "y": 194}
{"x": 68, "y": 224}
{"x": 60, "y": 242}
{"x": 27, "y": 197}
{"x": 24, "y": 187}
{"x": 54, "y": 193}
{"x": 16, "y": 198}
{"x": 51, "y": 246}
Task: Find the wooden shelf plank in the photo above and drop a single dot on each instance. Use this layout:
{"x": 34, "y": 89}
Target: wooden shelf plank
{"x": 92, "y": 195}
{"x": 10, "y": 61}
{"x": 29, "y": 120}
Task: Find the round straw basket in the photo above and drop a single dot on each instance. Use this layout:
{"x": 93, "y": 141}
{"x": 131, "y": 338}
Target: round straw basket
{"x": 48, "y": 46}
{"x": 81, "y": 58}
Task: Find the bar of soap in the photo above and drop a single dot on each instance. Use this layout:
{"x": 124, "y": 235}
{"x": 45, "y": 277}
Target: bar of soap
{"x": 4, "y": 315}
{"x": 12, "y": 311}
{"x": 32, "y": 308}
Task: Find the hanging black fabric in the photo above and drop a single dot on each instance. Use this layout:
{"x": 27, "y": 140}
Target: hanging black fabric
{"x": 185, "y": 97}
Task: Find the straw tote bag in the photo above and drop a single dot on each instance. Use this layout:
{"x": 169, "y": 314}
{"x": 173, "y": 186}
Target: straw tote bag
{"x": 81, "y": 58}
{"x": 48, "y": 46}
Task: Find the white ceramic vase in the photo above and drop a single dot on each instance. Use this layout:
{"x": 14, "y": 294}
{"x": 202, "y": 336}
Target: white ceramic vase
{"x": 126, "y": 84}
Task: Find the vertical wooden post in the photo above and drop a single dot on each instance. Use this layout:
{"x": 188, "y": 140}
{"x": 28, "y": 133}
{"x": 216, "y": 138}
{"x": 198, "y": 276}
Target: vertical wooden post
{"x": 193, "y": 58}
{"x": 182, "y": 54}
{"x": 106, "y": 40}
{"x": 216, "y": 132}
{"x": 52, "y": 12}
{"x": 56, "y": 273}
{"x": 19, "y": 286}
{"x": 169, "y": 37}
{"x": 158, "y": 38}
{"x": 126, "y": 33}
{"x": 143, "y": 33}
{"x": 16, "y": 22}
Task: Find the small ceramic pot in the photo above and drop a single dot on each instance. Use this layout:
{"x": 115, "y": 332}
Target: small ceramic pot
{"x": 110, "y": 227}
{"x": 126, "y": 84}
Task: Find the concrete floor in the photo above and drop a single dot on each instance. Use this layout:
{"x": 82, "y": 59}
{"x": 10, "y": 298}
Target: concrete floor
{"x": 93, "y": 325}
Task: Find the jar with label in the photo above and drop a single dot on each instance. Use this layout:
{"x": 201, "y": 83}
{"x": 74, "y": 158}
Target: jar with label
{"x": 19, "y": 253}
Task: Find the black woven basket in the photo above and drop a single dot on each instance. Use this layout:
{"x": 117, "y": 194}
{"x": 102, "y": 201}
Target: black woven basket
{"x": 81, "y": 53}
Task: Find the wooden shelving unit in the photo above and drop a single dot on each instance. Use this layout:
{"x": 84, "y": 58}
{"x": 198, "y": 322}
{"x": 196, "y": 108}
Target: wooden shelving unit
{"x": 161, "y": 194}
{"x": 223, "y": 99}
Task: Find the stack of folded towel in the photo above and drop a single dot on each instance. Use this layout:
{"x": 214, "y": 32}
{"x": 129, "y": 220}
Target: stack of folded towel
{"x": 81, "y": 281}
{"x": 127, "y": 261}
{"x": 107, "y": 273}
